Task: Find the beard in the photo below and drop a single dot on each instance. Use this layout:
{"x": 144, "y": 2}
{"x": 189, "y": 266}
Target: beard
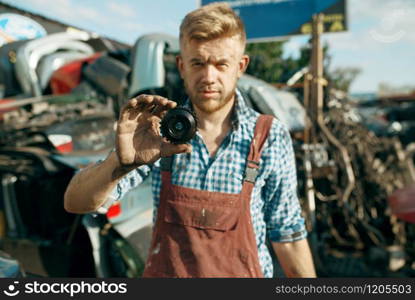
{"x": 210, "y": 105}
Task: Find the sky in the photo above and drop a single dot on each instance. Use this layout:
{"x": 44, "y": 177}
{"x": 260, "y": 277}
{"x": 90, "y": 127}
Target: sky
{"x": 380, "y": 39}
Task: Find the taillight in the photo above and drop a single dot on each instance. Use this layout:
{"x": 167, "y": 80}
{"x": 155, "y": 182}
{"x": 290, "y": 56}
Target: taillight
{"x": 114, "y": 210}
{"x": 402, "y": 203}
{"x": 382, "y": 117}
{"x": 62, "y": 142}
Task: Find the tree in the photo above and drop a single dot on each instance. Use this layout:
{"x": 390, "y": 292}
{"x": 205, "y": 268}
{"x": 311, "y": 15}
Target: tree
{"x": 266, "y": 60}
{"x": 342, "y": 77}
{"x": 268, "y": 64}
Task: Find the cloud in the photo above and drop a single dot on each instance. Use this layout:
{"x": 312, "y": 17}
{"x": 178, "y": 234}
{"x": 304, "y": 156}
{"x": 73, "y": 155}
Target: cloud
{"x": 68, "y": 11}
{"x": 380, "y": 40}
{"x": 132, "y": 26}
{"x": 88, "y": 13}
{"x": 388, "y": 21}
{"x": 374, "y": 24}
{"x": 121, "y": 9}
{"x": 103, "y": 19}
{"x": 59, "y": 8}
{"x": 375, "y": 8}
{"x": 291, "y": 47}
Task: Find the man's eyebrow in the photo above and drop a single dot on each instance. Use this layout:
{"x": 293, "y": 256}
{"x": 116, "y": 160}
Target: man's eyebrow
{"x": 222, "y": 60}
{"x": 219, "y": 60}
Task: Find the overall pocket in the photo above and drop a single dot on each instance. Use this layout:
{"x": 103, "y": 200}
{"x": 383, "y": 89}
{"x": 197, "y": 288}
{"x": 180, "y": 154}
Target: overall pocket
{"x": 202, "y": 216}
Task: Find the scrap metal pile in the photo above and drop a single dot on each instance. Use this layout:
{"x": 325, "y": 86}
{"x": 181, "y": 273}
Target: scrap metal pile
{"x": 347, "y": 174}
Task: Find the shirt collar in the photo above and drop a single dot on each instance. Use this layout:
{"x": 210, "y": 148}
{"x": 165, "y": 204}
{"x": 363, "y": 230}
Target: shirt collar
{"x": 241, "y": 111}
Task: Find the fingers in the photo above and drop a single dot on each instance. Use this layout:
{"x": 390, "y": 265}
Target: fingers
{"x": 155, "y": 105}
{"x": 168, "y": 149}
{"x": 161, "y": 109}
{"x": 128, "y": 109}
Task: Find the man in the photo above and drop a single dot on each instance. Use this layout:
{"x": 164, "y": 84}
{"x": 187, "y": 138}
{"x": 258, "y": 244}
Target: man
{"x": 221, "y": 196}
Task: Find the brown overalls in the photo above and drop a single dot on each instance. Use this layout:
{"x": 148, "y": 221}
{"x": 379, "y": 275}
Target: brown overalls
{"x": 207, "y": 234}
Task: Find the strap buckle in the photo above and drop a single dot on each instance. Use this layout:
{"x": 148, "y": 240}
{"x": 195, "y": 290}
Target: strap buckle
{"x": 251, "y": 174}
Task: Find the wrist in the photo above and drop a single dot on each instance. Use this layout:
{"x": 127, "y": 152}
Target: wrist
{"x": 118, "y": 169}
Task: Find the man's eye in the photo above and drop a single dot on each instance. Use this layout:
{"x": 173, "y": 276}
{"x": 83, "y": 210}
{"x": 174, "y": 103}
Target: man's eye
{"x": 197, "y": 64}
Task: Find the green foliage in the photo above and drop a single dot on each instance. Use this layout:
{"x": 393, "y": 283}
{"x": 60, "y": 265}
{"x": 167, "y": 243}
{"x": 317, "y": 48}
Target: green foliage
{"x": 341, "y": 78}
{"x": 268, "y": 64}
{"x": 265, "y": 60}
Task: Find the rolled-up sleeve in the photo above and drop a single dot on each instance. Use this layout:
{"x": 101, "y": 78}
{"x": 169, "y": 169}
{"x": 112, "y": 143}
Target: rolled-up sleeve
{"x": 128, "y": 182}
{"x": 282, "y": 208}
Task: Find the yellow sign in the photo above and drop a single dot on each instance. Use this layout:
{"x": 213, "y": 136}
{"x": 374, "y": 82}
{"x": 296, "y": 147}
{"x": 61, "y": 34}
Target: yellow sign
{"x": 332, "y": 23}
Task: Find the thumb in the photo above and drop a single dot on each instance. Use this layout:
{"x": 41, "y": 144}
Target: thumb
{"x": 168, "y": 149}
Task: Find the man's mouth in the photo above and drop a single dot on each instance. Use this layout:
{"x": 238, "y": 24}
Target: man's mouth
{"x": 208, "y": 92}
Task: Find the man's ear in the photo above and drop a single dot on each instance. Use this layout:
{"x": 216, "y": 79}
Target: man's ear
{"x": 179, "y": 64}
{"x": 243, "y": 64}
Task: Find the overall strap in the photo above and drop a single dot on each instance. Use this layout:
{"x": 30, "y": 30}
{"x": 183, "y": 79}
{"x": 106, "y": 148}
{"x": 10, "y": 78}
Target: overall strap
{"x": 166, "y": 168}
{"x": 262, "y": 128}
{"x": 166, "y": 163}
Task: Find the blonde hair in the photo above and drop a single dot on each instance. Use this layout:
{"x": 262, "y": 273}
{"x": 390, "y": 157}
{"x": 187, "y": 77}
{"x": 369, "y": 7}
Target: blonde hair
{"x": 212, "y": 21}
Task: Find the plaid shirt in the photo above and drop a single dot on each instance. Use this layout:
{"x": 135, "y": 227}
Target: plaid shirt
{"x": 275, "y": 208}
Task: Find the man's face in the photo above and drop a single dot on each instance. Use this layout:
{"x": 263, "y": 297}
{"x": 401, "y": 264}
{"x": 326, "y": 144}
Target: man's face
{"x": 210, "y": 70}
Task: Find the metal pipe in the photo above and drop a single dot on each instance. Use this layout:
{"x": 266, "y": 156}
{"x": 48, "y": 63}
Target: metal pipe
{"x": 317, "y": 109}
{"x": 7, "y": 183}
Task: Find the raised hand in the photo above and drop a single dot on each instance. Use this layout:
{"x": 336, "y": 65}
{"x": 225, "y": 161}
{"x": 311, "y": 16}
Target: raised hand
{"x": 138, "y": 139}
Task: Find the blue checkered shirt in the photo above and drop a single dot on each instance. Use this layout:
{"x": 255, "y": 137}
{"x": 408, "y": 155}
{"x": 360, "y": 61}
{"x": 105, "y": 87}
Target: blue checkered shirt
{"x": 275, "y": 209}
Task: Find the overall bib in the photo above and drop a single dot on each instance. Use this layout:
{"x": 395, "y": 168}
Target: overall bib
{"x": 207, "y": 234}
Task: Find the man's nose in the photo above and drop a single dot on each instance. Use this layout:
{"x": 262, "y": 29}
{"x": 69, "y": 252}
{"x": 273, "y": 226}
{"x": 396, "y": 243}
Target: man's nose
{"x": 209, "y": 74}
